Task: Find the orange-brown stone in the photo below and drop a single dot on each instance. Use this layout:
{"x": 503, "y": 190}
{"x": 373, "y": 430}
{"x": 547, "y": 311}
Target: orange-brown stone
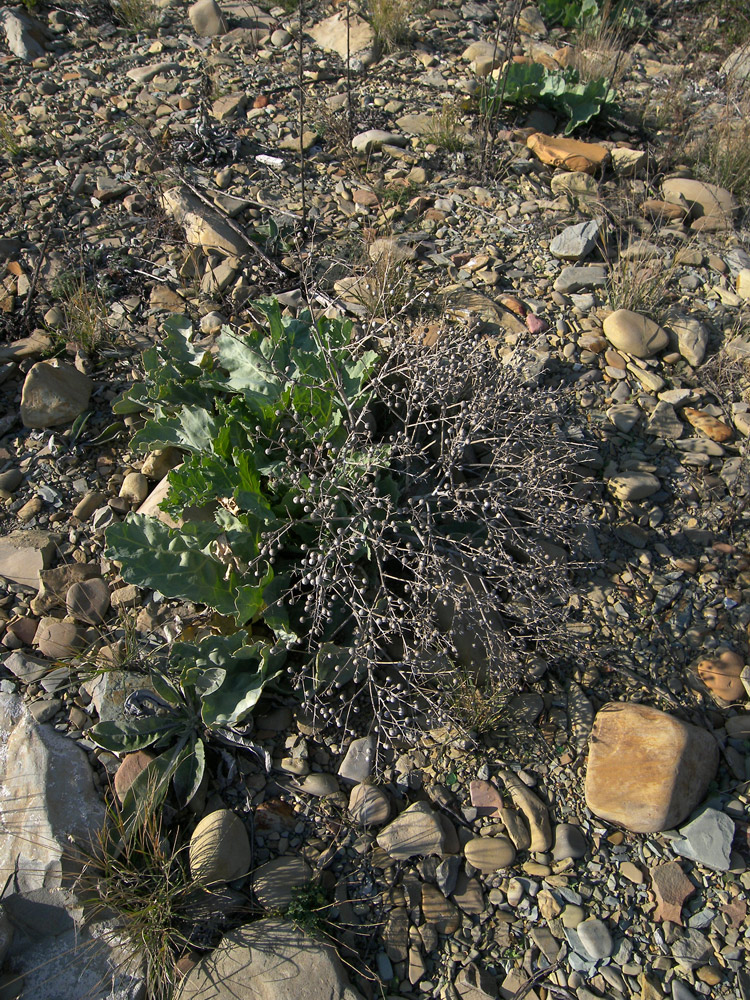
{"x": 722, "y": 676}
{"x": 647, "y": 770}
{"x": 570, "y": 154}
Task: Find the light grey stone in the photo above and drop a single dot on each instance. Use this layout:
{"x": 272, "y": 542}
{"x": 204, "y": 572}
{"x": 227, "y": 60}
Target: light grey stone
{"x": 576, "y": 242}
{"x": 357, "y": 764}
{"x": 24, "y": 35}
{"x": 417, "y": 831}
{"x": 576, "y": 279}
{"x": 24, "y": 554}
{"x": 274, "y": 882}
{"x": 632, "y": 486}
{"x": 595, "y": 938}
{"x": 707, "y": 839}
{"x": 47, "y": 797}
{"x": 268, "y": 960}
{"x": 207, "y": 19}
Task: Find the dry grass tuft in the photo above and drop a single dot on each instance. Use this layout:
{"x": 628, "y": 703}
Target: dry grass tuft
{"x": 391, "y": 22}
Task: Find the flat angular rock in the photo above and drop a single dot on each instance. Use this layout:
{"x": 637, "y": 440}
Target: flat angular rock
{"x": 331, "y": 33}
{"x": 671, "y": 887}
{"x": 664, "y": 422}
{"x": 54, "y": 393}
{"x": 375, "y": 138}
{"x": 24, "y": 554}
{"x": 572, "y": 154}
{"x": 635, "y": 334}
{"x": 737, "y": 64}
{"x": 647, "y": 770}
{"x": 207, "y": 19}
{"x": 569, "y": 842}
{"x": 595, "y": 938}
{"x": 203, "y": 225}
{"x": 268, "y": 960}
{"x": 628, "y": 162}
{"x": 576, "y": 279}
{"x": 689, "y": 335}
{"x": 707, "y": 839}
{"x": 575, "y": 242}
{"x": 417, "y": 831}
{"x": 48, "y": 797}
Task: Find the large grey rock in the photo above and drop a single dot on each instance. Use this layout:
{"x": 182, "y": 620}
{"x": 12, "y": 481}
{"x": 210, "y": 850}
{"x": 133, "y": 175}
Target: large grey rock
{"x": 48, "y": 800}
{"x": 707, "y": 839}
{"x": 109, "y": 690}
{"x": 54, "y": 393}
{"x": 737, "y": 64}
{"x": 577, "y": 279}
{"x": 268, "y": 960}
{"x": 575, "y": 242}
{"x": 24, "y": 34}
{"x": 203, "y": 225}
{"x": 595, "y": 938}
{"x": 24, "y": 554}
{"x": 689, "y": 335}
{"x": 375, "y": 138}
{"x": 704, "y": 200}
{"x": 416, "y": 831}
{"x": 207, "y": 19}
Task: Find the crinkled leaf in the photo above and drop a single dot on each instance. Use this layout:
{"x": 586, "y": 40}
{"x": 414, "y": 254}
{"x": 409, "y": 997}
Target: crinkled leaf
{"x": 131, "y": 736}
{"x": 176, "y": 562}
{"x": 191, "y": 428}
{"x": 238, "y": 695}
{"x": 189, "y": 772}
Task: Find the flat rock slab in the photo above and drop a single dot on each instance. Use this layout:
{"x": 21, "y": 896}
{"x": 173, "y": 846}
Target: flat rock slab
{"x": 575, "y": 242}
{"x": 417, "y": 831}
{"x": 48, "y": 797}
{"x": 268, "y": 960}
{"x": 203, "y": 225}
{"x": 647, "y": 770}
{"x": 24, "y": 554}
{"x": 707, "y": 839}
{"x": 331, "y": 35}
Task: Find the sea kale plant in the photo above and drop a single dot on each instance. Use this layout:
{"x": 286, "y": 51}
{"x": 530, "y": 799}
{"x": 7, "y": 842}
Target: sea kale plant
{"x": 204, "y": 692}
{"x": 396, "y": 519}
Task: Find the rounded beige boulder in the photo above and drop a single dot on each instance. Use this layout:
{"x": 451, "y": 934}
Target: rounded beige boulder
{"x": 219, "y": 848}
{"x": 634, "y": 334}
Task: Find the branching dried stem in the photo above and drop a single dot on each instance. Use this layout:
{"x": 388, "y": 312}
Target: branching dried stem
{"x": 433, "y": 526}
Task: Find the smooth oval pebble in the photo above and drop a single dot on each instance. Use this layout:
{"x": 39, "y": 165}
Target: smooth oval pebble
{"x": 320, "y": 785}
{"x": 219, "y": 848}
{"x": 490, "y": 854}
{"x": 635, "y": 334}
{"x": 369, "y": 805}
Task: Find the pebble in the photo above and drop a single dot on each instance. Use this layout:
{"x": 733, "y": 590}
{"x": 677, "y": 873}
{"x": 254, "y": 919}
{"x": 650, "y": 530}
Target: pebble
{"x": 634, "y": 334}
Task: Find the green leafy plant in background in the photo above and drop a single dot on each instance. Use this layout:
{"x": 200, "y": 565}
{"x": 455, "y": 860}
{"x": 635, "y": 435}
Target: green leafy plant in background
{"x": 577, "y": 13}
{"x": 559, "y": 90}
{"x": 205, "y": 691}
{"x": 378, "y": 517}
